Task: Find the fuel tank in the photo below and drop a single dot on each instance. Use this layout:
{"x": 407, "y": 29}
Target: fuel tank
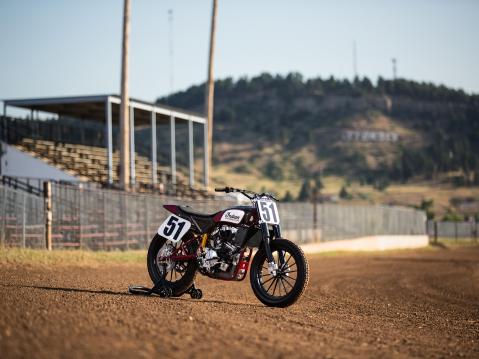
{"x": 246, "y": 215}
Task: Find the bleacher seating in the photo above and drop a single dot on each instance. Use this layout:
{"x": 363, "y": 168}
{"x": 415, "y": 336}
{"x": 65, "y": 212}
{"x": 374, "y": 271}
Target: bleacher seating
{"x": 91, "y": 164}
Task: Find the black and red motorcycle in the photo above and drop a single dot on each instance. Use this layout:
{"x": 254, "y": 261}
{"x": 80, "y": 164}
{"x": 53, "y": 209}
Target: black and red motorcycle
{"x": 220, "y": 246}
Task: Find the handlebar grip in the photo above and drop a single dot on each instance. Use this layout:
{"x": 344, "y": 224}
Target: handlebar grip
{"x": 224, "y": 189}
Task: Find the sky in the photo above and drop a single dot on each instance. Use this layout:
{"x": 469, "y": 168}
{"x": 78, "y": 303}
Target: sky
{"x": 67, "y": 47}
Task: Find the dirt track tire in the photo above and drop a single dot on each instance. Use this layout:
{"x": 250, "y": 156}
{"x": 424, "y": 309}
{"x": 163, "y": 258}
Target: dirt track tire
{"x": 257, "y": 273}
{"x": 178, "y": 287}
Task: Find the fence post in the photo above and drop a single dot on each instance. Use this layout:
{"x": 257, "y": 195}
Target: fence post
{"x": 24, "y": 221}
{"x": 455, "y": 231}
{"x": 47, "y": 194}
{"x": 4, "y": 218}
{"x": 104, "y": 220}
{"x": 435, "y": 232}
{"x": 475, "y": 231}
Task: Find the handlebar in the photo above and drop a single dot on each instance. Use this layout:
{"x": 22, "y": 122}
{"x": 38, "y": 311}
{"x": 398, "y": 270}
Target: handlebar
{"x": 246, "y": 193}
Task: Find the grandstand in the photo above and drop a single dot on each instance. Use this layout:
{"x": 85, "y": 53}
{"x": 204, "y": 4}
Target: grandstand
{"x": 87, "y": 152}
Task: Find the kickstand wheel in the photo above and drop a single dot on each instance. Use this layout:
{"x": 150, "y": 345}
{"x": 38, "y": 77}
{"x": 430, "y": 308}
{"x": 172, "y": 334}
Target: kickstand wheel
{"x": 194, "y": 292}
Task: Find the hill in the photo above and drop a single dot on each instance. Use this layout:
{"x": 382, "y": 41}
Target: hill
{"x": 286, "y": 128}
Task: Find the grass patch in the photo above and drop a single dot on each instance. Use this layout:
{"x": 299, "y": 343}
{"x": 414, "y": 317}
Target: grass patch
{"x": 69, "y": 257}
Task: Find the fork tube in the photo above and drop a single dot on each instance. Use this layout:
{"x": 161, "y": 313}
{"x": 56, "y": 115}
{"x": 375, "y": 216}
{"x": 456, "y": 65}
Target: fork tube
{"x": 265, "y": 234}
{"x": 277, "y": 231}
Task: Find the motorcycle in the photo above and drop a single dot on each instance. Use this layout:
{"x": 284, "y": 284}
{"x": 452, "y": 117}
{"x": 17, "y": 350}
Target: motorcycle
{"x": 220, "y": 246}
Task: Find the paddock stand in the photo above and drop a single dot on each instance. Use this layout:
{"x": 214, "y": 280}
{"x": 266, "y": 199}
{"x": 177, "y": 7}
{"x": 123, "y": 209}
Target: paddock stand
{"x": 164, "y": 290}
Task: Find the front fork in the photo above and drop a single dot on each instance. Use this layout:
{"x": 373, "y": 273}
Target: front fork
{"x": 266, "y": 234}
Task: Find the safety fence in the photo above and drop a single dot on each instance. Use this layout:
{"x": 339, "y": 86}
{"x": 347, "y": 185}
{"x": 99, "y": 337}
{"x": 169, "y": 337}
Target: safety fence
{"x": 101, "y": 219}
{"x": 307, "y": 222}
{"x": 22, "y": 219}
{"x": 96, "y": 219}
{"x": 457, "y": 231}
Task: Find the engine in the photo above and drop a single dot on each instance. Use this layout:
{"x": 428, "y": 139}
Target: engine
{"x": 221, "y": 252}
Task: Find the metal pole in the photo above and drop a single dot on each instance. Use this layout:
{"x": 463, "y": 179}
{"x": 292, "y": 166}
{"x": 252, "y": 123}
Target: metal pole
{"x": 4, "y": 219}
{"x": 206, "y": 166}
{"x": 24, "y": 221}
{"x": 435, "y": 232}
{"x": 210, "y": 86}
{"x": 455, "y": 231}
{"x": 4, "y": 109}
{"x": 132, "y": 145}
{"x": 154, "y": 169}
{"x": 124, "y": 123}
{"x": 104, "y": 220}
{"x": 109, "y": 139}
{"x": 191, "y": 160}
{"x": 47, "y": 193}
{"x": 173, "y": 149}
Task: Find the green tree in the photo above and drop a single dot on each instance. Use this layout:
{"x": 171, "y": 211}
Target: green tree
{"x": 288, "y": 197}
{"x": 305, "y": 191}
{"x": 344, "y": 194}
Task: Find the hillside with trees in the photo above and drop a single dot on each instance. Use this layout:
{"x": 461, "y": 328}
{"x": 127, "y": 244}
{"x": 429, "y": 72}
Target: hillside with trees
{"x": 290, "y": 127}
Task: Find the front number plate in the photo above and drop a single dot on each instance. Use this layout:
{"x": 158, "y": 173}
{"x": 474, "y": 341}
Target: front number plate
{"x": 174, "y": 228}
{"x": 268, "y": 211}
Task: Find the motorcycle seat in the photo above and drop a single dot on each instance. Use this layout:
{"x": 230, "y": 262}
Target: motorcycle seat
{"x": 190, "y": 211}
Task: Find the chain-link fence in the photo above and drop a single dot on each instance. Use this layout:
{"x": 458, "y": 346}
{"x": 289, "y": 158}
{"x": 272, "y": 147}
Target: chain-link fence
{"x": 22, "y": 219}
{"x": 457, "y": 231}
{"x": 306, "y": 222}
{"x": 108, "y": 219}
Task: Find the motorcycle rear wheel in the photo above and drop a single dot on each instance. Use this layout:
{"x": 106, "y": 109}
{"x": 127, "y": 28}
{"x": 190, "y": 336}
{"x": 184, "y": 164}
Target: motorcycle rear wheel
{"x": 291, "y": 279}
{"x": 182, "y": 274}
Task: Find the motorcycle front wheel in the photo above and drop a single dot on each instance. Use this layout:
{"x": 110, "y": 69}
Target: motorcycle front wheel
{"x": 288, "y": 284}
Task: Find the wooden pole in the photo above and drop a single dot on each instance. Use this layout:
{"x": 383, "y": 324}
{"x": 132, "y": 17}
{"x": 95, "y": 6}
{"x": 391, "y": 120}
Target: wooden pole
{"x": 209, "y": 93}
{"x": 47, "y": 194}
{"x": 124, "y": 106}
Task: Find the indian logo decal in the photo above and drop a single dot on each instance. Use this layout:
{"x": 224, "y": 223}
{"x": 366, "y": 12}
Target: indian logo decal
{"x": 233, "y": 216}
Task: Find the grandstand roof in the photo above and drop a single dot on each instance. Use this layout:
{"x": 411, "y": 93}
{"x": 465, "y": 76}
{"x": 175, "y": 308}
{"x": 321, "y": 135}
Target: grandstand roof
{"x": 93, "y": 107}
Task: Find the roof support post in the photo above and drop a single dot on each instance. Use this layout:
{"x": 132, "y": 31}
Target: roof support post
{"x": 191, "y": 159}
{"x": 132, "y": 146}
{"x": 206, "y": 165}
{"x": 173, "y": 149}
{"x": 109, "y": 139}
{"x": 154, "y": 179}
{"x": 124, "y": 123}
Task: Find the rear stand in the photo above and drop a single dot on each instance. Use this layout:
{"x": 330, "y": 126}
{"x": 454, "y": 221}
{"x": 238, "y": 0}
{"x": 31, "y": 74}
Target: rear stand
{"x": 162, "y": 289}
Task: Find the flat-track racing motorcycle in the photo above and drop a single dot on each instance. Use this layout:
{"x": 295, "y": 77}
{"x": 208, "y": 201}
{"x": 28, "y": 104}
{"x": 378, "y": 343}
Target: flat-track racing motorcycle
{"x": 220, "y": 246}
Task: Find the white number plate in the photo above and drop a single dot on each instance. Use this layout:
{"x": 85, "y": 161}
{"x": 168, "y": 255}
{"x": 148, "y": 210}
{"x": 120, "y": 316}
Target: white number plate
{"x": 268, "y": 211}
{"x": 174, "y": 228}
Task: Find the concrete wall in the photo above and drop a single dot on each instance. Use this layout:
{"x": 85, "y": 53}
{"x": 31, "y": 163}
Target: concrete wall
{"x": 370, "y": 243}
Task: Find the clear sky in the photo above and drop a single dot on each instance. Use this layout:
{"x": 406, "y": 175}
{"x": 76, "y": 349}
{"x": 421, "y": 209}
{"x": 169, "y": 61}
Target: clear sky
{"x": 71, "y": 47}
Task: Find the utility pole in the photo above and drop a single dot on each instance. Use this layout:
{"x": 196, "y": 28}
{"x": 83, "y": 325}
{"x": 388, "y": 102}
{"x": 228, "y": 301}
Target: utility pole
{"x": 209, "y": 100}
{"x": 355, "y": 61}
{"x": 394, "y": 61}
{"x": 124, "y": 106}
{"x": 172, "y": 60}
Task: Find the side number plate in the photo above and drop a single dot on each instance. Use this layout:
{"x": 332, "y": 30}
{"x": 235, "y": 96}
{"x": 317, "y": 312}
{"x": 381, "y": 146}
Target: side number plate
{"x": 174, "y": 228}
{"x": 268, "y": 211}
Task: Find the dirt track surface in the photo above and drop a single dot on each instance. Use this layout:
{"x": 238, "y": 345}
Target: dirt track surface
{"x": 409, "y": 304}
